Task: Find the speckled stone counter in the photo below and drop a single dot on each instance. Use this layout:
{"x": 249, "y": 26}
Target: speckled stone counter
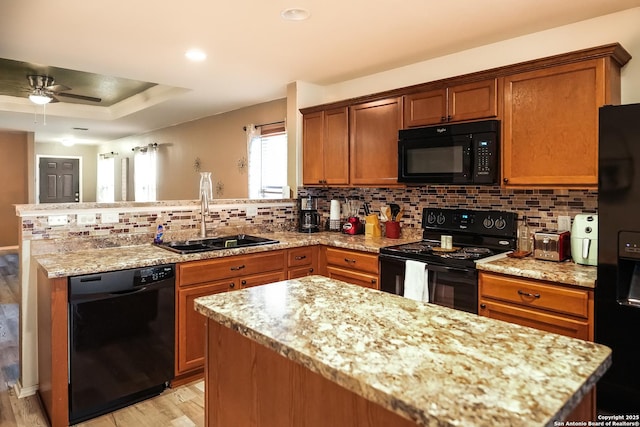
{"x": 566, "y": 272}
{"x": 427, "y": 363}
{"x": 91, "y": 261}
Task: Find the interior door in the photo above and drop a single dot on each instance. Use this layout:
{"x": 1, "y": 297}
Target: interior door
{"x": 59, "y": 180}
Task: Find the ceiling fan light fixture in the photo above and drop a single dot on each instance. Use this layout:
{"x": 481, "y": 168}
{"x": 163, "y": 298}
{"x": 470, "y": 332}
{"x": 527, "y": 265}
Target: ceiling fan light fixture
{"x": 38, "y": 96}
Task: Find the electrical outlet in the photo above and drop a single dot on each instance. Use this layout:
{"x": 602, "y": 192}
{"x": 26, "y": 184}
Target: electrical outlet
{"x": 86, "y": 219}
{"x": 252, "y": 211}
{"x": 58, "y": 220}
{"x": 109, "y": 217}
{"x": 564, "y": 223}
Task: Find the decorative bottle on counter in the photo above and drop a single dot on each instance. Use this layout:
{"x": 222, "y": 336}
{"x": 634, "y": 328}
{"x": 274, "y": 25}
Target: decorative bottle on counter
{"x": 524, "y": 236}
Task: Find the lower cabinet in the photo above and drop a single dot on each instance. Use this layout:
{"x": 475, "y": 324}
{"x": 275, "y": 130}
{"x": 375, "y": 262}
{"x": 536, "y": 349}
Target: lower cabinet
{"x": 359, "y": 268}
{"x": 200, "y": 278}
{"x": 547, "y": 306}
{"x": 302, "y": 262}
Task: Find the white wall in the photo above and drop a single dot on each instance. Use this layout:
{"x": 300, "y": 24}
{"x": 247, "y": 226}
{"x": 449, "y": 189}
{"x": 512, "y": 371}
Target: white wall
{"x": 622, "y": 27}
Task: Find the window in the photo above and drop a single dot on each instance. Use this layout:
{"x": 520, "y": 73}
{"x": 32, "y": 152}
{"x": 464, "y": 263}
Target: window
{"x": 144, "y": 174}
{"x": 267, "y": 153}
{"x": 106, "y": 179}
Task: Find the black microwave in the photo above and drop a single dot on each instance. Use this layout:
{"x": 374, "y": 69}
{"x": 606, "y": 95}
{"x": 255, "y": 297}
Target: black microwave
{"x": 459, "y": 153}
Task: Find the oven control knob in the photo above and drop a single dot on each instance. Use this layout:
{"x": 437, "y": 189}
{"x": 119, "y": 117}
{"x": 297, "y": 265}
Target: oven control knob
{"x": 431, "y": 218}
{"x": 441, "y": 219}
{"x": 501, "y": 223}
{"x": 488, "y": 222}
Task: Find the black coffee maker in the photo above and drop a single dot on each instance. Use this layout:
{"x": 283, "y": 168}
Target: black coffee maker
{"x": 309, "y": 221}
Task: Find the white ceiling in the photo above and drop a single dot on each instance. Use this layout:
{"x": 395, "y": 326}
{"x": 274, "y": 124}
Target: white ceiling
{"x": 252, "y": 53}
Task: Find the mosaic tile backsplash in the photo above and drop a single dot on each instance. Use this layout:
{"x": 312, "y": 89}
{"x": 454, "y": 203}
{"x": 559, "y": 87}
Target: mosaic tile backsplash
{"x": 541, "y": 207}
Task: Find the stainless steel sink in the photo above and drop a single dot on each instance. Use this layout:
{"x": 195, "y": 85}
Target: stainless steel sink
{"x": 215, "y": 243}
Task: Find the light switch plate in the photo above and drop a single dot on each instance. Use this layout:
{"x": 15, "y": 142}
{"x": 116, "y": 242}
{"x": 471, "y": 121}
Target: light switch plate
{"x": 564, "y": 223}
{"x": 86, "y": 219}
{"x": 109, "y": 217}
{"x": 252, "y": 211}
{"x": 57, "y": 220}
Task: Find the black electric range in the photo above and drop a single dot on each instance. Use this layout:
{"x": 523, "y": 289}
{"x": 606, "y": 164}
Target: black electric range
{"x": 452, "y": 276}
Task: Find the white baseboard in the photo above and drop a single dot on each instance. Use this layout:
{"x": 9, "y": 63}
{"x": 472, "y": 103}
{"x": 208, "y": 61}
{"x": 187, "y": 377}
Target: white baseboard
{"x": 24, "y": 391}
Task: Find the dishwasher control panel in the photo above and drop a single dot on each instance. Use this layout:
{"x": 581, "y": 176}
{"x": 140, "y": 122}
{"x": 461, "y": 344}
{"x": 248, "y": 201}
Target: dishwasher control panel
{"x": 145, "y": 276}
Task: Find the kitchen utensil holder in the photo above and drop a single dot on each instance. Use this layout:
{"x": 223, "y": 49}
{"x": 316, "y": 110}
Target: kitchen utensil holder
{"x": 392, "y": 229}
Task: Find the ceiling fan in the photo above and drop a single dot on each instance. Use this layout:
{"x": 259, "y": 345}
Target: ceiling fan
{"x": 44, "y": 91}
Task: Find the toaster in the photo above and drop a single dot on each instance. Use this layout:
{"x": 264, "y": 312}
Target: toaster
{"x": 552, "y": 245}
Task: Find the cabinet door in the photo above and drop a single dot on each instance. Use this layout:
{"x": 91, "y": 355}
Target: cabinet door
{"x": 191, "y": 325}
{"x": 550, "y": 127}
{"x": 325, "y": 147}
{"x": 478, "y": 100}
{"x": 312, "y": 148}
{"x": 366, "y": 280}
{"x": 335, "y": 155}
{"x": 425, "y": 108}
{"x": 374, "y": 142}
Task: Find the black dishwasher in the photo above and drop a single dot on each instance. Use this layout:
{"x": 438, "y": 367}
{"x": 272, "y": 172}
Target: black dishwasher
{"x": 121, "y": 338}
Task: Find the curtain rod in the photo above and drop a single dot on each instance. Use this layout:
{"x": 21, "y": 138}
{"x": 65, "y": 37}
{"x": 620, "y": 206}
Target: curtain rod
{"x": 110, "y": 154}
{"x": 244, "y": 128}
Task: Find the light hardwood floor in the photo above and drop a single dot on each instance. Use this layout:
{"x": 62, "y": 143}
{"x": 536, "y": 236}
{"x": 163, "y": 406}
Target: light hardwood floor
{"x": 179, "y": 407}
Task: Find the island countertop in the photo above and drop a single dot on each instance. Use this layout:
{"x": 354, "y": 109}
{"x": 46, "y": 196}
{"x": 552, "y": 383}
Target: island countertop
{"x": 427, "y": 363}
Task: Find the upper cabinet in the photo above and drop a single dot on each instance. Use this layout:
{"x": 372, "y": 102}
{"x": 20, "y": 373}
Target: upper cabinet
{"x": 325, "y": 147}
{"x": 469, "y": 101}
{"x": 550, "y": 123}
{"x": 548, "y": 110}
{"x": 374, "y": 142}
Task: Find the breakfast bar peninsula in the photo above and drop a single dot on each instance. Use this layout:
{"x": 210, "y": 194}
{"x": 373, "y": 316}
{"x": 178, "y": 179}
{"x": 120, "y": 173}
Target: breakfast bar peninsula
{"x": 318, "y": 352}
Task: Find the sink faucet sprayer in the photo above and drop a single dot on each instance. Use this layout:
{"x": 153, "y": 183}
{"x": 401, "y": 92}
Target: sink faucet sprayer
{"x": 206, "y": 194}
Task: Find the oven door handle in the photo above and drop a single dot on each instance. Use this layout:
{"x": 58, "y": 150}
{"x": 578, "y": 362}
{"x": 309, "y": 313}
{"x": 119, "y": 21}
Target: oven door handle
{"x": 442, "y": 268}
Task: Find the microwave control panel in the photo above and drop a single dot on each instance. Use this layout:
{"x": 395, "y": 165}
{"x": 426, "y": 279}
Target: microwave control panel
{"x": 486, "y": 158}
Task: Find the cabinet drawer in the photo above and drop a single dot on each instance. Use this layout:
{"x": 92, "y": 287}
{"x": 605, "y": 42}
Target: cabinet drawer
{"x": 229, "y": 267}
{"x": 361, "y": 279}
{"x": 261, "y": 279}
{"x": 352, "y": 260}
{"x": 535, "y": 294}
{"x": 537, "y": 319}
{"x": 300, "y": 256}
{"x": 303, "y": 271}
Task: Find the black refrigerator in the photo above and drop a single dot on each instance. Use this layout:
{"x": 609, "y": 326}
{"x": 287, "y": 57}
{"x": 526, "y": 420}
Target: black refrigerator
{"x": 617, "y": 292}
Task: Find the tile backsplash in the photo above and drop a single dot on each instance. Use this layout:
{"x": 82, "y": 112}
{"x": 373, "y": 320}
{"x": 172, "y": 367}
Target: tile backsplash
{"x": 541, "y": 207}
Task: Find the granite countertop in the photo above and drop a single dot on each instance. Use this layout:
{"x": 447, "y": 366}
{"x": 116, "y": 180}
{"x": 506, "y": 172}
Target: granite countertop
{"x": 566, "y": 272}
{"x": 430, "y": 364}
{"x": 90, "y": 261}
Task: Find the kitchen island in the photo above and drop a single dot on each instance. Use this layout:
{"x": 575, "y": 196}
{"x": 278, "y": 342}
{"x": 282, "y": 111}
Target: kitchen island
{"x": 316, "y": 351}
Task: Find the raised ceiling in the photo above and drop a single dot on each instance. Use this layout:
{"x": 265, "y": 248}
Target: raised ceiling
{"x": 106, "y": 49}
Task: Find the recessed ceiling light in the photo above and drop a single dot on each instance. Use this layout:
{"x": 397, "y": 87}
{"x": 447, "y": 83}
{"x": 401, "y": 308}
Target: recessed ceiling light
{"x": 195, "y": 55}
{"x": 295, "y": 14}
{"x": 68, "y": 142}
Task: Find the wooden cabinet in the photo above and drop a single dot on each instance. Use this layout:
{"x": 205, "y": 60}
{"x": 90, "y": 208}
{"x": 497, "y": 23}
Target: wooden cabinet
{"x": 550, "y": 126}
{"x": 302, "y": 262}
{"x": 207, "y": 277}
{"x": 469, "y": 101}
{"x": 542, "y": 305}
{"x": 359, "y": 268}
{"x": 325, "y": 147}
{"x": 373, "y": 151}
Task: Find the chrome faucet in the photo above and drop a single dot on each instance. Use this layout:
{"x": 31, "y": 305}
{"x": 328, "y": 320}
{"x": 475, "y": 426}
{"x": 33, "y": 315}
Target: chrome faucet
{"x": 204, "y": 209}
{"x": 206, "y": 194}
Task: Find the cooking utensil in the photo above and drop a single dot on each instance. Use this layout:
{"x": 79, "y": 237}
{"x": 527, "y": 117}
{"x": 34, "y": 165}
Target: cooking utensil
{"x": 399, "y": 214}
{"x": 367, "y": 210}
{"x": 395, "y": 208}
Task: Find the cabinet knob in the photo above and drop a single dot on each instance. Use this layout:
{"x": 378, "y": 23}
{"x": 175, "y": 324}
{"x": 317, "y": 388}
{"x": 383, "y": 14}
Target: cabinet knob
{"x": 311, "y": 270}
{"x": 449, "y": 118}
{"x": 483, "y": 306}
{"x": 232, "y": 285}
{"x": 374, "y": 281}
{"x": 505, "y": 180}
{"x": 443, "y": 119}
{"x": 244, "y": 282}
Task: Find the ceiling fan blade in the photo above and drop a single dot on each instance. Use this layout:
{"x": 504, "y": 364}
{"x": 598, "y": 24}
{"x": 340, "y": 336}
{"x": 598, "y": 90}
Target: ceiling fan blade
{"x": 82, "y": 97}
{"x": 53, "y": 99}
{"x": 58, "y": 88}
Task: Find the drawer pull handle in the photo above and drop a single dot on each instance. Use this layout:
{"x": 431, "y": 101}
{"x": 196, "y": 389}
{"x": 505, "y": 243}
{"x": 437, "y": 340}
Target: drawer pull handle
{"x": 300, "y": 257}
{"x": 527, "y": 294}
{"x": 240, "y": 267}
{"x": 232, "y": 285}
{"x": 350, "y": 260}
